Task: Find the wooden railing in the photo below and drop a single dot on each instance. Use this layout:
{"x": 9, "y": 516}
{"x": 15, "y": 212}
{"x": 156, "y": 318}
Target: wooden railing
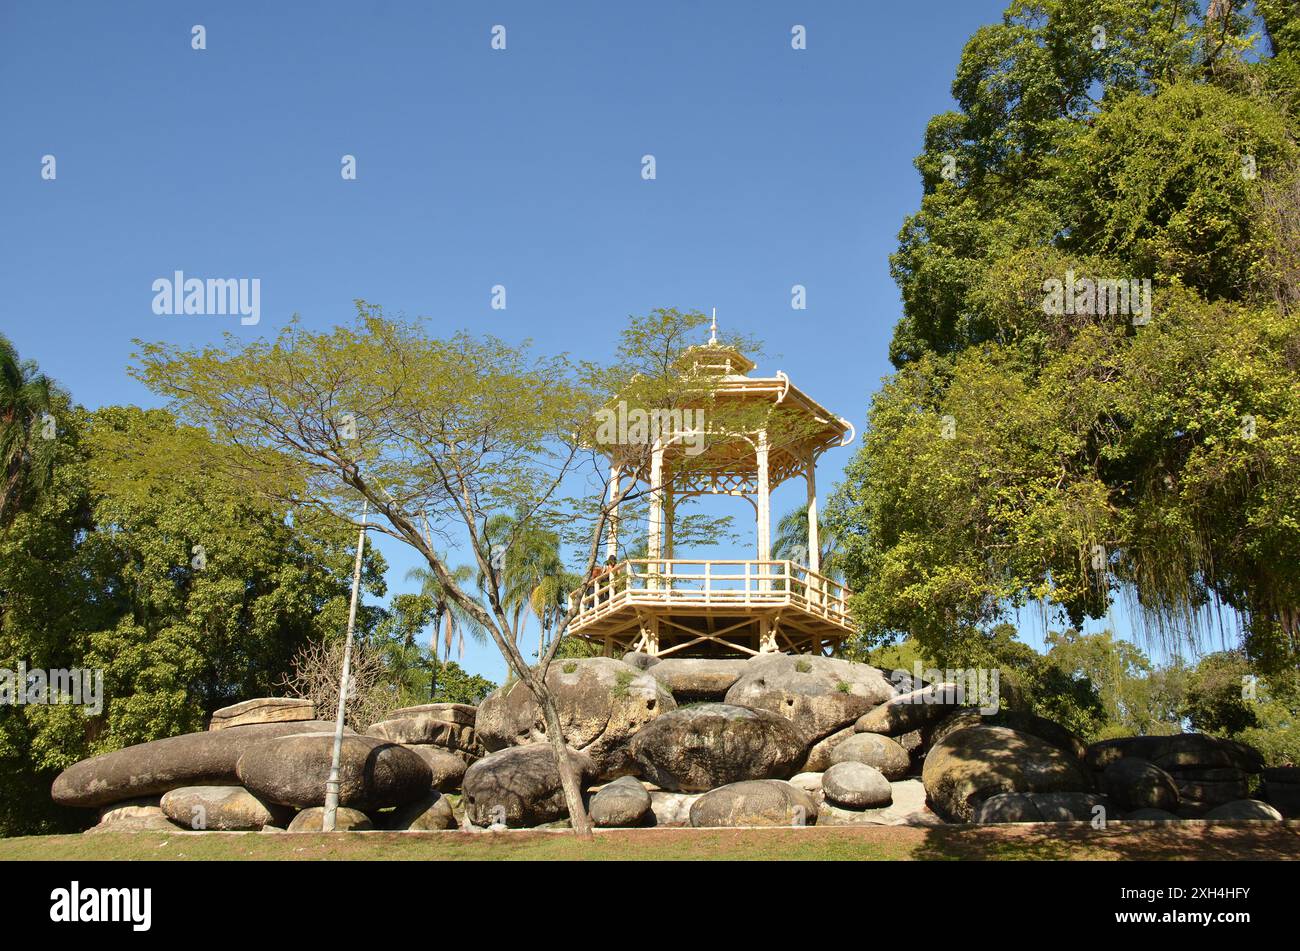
{"x": 694, "y": 583}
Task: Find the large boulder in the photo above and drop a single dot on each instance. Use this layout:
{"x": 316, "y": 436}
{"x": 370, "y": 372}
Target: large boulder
{"x": 624, "y": 803}
{"x": 1151, "y": 815}
{"x": 151, "y": 769}
{"x": 432, "y": 812}
{"x": 221, "y": 808}
{"x": 1007, "y": 807}
{"x": 449, "y": 726}
{"x": 460, "y": 713}
{"x": 819, "y": 695}
{"x": 908, "y": 808}
{"x": 701, "y": 747}
{"x": 263, "y": 710}
{"x": 855, "y": 785}
{"x": 1133, "y": 783}
{"x": 1047, "y": 730}
{"x": 1041, "y": 807}
{"x": 1245, "y": 809}
{"x": 520, "y": 786}
{"x": 292, "y": 771}
{"x": 1282, "y": 789}
{"x": 602, "y": 704}
{"x": 968, "y": 766}
{"x": 446, "y": 767}
{"x": 761, "y": 802}
{"x": 872, "y": 749}
{"x": 1214, "y": 793}
{"x": 135, "y": 815}
{"x": 640, "y": 660}
{"x": 909, "y": 711}
{"x": 345, "y": 820}
{"x": 1182, "y": 751}
{"x": 1197, "y": 750}
{"x": 1073, "y": 806}
{"x": 818, "y": 759}
{"x": 693, "y": 679}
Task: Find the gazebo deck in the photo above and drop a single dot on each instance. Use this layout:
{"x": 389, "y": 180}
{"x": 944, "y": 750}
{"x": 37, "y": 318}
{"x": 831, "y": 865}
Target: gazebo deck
{"x": 712, "y": 608}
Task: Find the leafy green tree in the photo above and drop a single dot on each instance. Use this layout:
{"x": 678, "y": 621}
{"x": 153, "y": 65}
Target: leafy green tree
{"x": 187, "y": 592}
{"x": 1226, "y": 697}
{"x": 457, "y": 686}
{"x": 29, "y": 401}
{"x": 1023, "y": 455}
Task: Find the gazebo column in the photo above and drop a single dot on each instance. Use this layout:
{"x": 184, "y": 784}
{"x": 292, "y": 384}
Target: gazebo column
{"x": 814, "y": 541}
{"x": 764, "y": 509}
{"x": 670, "y": 515}
{"x": 615, "y": 486}
{"x": 654, "y": 540}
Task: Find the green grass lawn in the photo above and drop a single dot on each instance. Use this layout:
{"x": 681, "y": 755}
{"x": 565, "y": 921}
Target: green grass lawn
{"x": 1038, "y": 841}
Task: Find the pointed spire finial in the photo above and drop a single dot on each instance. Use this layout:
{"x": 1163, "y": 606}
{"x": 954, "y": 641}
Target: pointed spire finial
{"x": 713, "y": 330}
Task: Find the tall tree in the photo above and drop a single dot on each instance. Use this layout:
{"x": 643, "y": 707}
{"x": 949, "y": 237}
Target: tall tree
{"x": 460, "y": 429}
{"x": 1137, "y": 445}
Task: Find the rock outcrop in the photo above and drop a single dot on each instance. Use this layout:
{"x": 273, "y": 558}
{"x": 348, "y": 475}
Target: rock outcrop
{"x": 520, "y": 786}
{"x": 875, "y": 750}
{"x": 345, "y": 820}
{"x": 602, "y": 704}
{"x": 698, "y": 679}
{"x": 971, "y": 765}
{"x": 713, "y": 744}
{"x": 624, "y": 803}
{"x": 221, "y": 808}
{"x": 855, "y": 785}
{"x": 819, "y": 695}
{"x": 292, "y": 771}
{"x": 263, "y": 710}
{"x": 151, "y": 769}
{"x": 761, "y": 802}
{"x": 449, "y": 726}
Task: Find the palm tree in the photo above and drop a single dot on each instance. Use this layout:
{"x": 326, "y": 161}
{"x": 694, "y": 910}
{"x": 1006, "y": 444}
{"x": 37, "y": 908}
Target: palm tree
{"x": 532, "y": 572}
{"x": 791, "y": 543}
{"x": 449, "y": 618}
{"x": 549, "y": 601}
{"x": 26, "y": 454}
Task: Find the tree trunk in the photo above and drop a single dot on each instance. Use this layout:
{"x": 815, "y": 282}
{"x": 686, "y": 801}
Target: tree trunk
{"x": 569, "y": 780}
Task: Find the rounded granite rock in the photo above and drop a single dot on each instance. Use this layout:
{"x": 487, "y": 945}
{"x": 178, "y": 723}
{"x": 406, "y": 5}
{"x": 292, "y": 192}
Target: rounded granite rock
{"x": 761, "y": 802}
{"x": 970, "y": 765}
{"x": 220, "y": 808}
{"x": 624, "y": 803}
{"x": 855, "y": 785}
{"x": 151, "y": 769}
{"x": 874, "y": 750}
{"x": 292, "y": 771}
{"x": 818, "y": 695}
{"x": 345, "y": 820}
{"x": 702, "y": 747}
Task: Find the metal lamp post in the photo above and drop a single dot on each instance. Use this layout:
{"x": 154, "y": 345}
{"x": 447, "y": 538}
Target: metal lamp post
{"x": 329, "y": 818}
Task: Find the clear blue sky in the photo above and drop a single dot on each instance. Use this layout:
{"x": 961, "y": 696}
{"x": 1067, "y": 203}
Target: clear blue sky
{"x": 475, "y": 167}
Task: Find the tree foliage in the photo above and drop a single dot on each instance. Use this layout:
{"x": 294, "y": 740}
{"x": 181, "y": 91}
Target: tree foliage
{"x": 1021, "y": 454}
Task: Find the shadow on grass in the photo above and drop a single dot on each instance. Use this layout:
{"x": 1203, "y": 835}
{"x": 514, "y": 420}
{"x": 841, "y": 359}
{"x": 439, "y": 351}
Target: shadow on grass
{"x": 1131, "y": 841}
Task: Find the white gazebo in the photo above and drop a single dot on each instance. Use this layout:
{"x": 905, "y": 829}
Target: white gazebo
{"x": 666, "y": 606}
